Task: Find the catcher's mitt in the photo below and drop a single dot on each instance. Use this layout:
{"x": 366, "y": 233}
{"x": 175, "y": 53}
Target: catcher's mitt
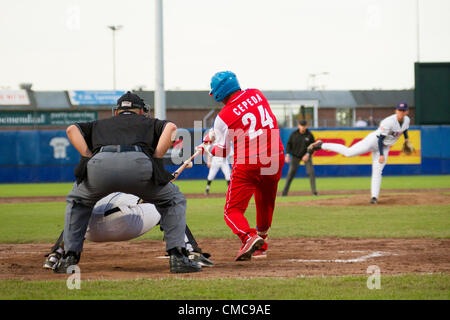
{"x": 407, "y": 148}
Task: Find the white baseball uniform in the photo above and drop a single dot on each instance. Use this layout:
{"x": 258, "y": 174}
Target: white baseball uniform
{"x": 391, "y": 129}
{"x": 131, "y": 221}
{"x": 219, "y": 163}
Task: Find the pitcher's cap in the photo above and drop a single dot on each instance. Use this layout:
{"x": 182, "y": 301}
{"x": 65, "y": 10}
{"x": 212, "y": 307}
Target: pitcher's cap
{"x": 402, "y": 106}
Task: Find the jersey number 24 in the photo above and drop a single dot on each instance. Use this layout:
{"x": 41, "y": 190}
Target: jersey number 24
{"x": 266, "y": 120}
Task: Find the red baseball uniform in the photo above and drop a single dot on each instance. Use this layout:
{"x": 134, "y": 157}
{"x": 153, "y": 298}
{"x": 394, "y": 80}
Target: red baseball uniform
{"x": 248, "y": 122}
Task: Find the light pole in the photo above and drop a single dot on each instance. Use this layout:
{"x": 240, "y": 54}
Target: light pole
{"x": 114, "y": 29}
{"x": 418, "y": 30}
{"x": 160, "y": 95}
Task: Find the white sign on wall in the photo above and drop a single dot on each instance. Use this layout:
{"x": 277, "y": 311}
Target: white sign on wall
{"x": 14, "y": 98}
{"x": 59, "y": 145}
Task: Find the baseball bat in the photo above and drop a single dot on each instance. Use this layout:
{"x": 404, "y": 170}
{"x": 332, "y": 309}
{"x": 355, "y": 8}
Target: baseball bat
{"x": 185, "y": 164}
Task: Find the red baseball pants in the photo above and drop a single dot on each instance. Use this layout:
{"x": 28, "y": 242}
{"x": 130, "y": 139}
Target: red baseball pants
{"x": 247, "y": 180}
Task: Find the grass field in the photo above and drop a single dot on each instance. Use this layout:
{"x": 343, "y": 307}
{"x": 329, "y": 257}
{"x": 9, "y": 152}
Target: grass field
{"x": 42, "y": 222}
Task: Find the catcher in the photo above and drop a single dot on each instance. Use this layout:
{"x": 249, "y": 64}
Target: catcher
{"x": 121, "y": 217}
{"x": 378, "y": 142}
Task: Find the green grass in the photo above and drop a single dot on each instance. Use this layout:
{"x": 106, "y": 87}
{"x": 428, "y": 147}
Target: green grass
{"x": 298, "y": 184}
{"x": 404, "y": 287}
{"x": 205, "y": 219}
{"x": 42, "y": 222}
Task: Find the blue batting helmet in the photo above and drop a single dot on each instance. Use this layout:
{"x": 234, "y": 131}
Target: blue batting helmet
{"x": 222, "y": 84}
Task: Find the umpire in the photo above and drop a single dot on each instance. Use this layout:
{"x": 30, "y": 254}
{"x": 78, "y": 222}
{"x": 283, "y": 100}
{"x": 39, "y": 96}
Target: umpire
{"x": 124, "y": 153}
{"x": 298, "y": 141}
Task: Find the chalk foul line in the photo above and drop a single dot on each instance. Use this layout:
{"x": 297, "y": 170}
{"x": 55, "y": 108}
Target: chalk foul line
{"x": 359, "y": 259}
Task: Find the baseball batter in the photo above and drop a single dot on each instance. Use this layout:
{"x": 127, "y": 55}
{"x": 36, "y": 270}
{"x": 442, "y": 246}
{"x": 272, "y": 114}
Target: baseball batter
{"x": 121, "y": 217}
{"x": 378, "y": 142}
{"x": 246, "y": 121}
{"x": 215, "y": 164}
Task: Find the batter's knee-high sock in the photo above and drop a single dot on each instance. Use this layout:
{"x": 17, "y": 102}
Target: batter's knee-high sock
{"x": 208, "y": 184}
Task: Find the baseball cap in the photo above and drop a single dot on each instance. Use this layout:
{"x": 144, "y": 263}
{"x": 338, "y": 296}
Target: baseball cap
{"x": 130, "y": 100}
{"x": 402, "y": 106}
{"x": 302, "y": 122}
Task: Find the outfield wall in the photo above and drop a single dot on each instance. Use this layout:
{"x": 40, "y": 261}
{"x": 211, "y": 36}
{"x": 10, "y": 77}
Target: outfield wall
{"x": 47, "y": 156}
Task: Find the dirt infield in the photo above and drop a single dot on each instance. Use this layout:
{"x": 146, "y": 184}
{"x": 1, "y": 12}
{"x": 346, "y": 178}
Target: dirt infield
{"x": 286, "y": 258}
{"x": 388, "y": 196}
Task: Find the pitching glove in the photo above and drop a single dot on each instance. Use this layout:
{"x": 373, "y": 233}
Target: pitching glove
{"x": 407, "y": 148}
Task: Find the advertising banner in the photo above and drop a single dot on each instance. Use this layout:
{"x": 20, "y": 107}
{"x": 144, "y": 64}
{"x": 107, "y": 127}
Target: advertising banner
{"x": 94, "y": 98}
{"x": 14, "y": 98}
{"x": 349, "y": 138}
{"x": 41, "y": 118}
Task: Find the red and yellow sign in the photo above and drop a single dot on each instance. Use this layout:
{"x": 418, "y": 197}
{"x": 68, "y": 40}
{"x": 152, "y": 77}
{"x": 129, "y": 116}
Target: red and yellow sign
{"x": 349, "y": 138}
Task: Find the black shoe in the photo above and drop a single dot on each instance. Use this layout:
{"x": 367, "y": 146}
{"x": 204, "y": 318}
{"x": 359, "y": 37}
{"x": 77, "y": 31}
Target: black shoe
{"x": 314, "y": 146}
{"x": 201, "y": 259}
{"x": 180, "y": 263}
{"x": 63, "y": 264}
{"x": 52, "y": 259}
{"x": 374, "y": 200}
{"x": 206, "y": 191}
{"x": 315, "y": 193}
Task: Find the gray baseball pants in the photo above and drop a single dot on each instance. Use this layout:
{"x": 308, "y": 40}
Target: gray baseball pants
{"x": 295, "y": 162}
{"x": 128, "y": 172}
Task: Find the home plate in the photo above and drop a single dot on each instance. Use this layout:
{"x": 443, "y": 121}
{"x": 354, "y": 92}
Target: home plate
{"x": 360, "y": 259}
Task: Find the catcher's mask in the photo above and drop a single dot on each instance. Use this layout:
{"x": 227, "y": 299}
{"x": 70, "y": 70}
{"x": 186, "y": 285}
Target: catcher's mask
{"x": 131, "y": 101}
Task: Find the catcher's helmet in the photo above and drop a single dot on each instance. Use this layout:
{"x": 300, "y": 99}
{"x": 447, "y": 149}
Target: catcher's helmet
{"x": 131, "y": 101}
{"x": 222, "y": 84}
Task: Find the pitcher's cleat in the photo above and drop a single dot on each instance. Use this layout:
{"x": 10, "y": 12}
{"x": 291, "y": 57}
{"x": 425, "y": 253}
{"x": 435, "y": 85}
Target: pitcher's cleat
{"x": 314, "y": 146}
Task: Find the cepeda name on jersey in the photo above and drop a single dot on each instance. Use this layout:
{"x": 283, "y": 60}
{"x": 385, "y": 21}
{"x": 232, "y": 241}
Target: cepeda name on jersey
{"x": 243, "y": 106}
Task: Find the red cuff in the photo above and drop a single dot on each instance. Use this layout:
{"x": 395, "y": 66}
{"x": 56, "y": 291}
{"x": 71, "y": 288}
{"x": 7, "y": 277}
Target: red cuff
{"x": 218, "y": 151}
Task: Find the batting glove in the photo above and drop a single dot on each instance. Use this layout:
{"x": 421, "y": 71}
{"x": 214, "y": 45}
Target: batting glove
{"x": 204, "y": 148}
{"x": 209, "y": 137}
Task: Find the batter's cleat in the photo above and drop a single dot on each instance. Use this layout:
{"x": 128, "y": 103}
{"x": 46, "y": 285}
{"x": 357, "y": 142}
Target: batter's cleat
{"x": 206, "y": 191}
{"x": 52, "y": 259}
{"x": 252, "y": 244}
{"x": 314, "y": 146}
{"x": 259, "y": 254}
{"x": 200, "y": 259}
{"x": 374, "y": 200}
{"x": 71, "y": 259}
{"x": 180, "y": 263}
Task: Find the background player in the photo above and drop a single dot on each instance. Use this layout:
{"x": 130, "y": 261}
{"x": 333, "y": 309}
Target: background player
{"x": 215, "y": 164}
{"x": 121, "y": 217}
{"x": 377, "y": 142}
{"x": 248, "y": 123}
